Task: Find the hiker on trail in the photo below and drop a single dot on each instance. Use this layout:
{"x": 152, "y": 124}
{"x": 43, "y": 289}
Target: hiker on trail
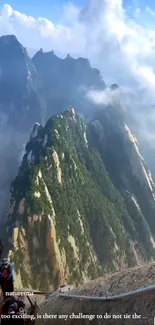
{"x": 6, "y": 277}
{"x": 13, "y": 306}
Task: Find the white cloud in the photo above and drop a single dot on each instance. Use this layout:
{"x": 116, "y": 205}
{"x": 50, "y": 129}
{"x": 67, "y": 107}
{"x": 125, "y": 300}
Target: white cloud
{"x": 122, "y": 49}
{"x": 102, "y": 31}
{"x": 106, "y": 97}
{"x": 41, "y": 32}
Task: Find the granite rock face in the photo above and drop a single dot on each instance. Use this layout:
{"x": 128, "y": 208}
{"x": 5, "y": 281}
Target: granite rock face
{"x": 78, "y": 204}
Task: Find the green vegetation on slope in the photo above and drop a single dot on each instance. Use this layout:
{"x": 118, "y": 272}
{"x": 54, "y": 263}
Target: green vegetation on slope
{"x": 75, "y": 184}
{"x": 116, "y": 153}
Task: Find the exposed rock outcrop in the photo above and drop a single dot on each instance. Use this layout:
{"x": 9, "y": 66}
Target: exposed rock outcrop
{"x": 78, "y": 202}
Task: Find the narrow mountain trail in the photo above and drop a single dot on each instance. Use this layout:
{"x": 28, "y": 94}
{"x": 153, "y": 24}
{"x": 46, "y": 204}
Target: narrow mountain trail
{"x": 100, "y": 307}
{"x": 138, "y": 308}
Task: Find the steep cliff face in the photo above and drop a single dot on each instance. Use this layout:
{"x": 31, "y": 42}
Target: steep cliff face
{"x": 21, "y": 105}
{"x": 20, "y": 86}
{"x": 127, "y": 169}
{"x": 70, "y": 219}
{"x": 66, "y": 82}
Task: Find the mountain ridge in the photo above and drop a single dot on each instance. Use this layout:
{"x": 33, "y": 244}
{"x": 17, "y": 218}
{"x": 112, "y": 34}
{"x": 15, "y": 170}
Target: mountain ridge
{"x": 21, "y": 94}
{"x": 61, "y": 163}
{"x": 67, "y": 81}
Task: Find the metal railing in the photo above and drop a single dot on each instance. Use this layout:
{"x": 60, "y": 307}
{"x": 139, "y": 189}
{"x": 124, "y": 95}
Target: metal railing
{"x": 137, "y": 292}
{"x": 110, "y": 298}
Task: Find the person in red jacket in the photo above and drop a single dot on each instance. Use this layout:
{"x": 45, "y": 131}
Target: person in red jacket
{"x": 6, "y": 277}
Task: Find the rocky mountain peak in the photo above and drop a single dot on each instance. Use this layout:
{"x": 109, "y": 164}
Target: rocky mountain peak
{"x": 20, "y": 85}
{"x": 67, "y": 81}
{"x": 41, "y": 56}
{"x": 34, "y": 131}
{"x": 72, "y": 111}
{"x": 11, "y": 48}
{"x": 114, "y": 86}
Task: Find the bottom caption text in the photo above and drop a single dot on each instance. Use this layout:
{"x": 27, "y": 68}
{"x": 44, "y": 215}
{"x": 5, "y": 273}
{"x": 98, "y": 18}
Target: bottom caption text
{"x": 76, "y": 316}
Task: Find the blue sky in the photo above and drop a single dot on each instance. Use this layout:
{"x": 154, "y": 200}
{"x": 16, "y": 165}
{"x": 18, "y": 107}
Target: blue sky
{"x": 39, "y": 7}
{"x": 47, "y": 8}
{"x": 50, "y": 9}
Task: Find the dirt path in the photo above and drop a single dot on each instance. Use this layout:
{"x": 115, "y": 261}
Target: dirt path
{"x": 128, "y": 280}
{"x": 120, "y": 282}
